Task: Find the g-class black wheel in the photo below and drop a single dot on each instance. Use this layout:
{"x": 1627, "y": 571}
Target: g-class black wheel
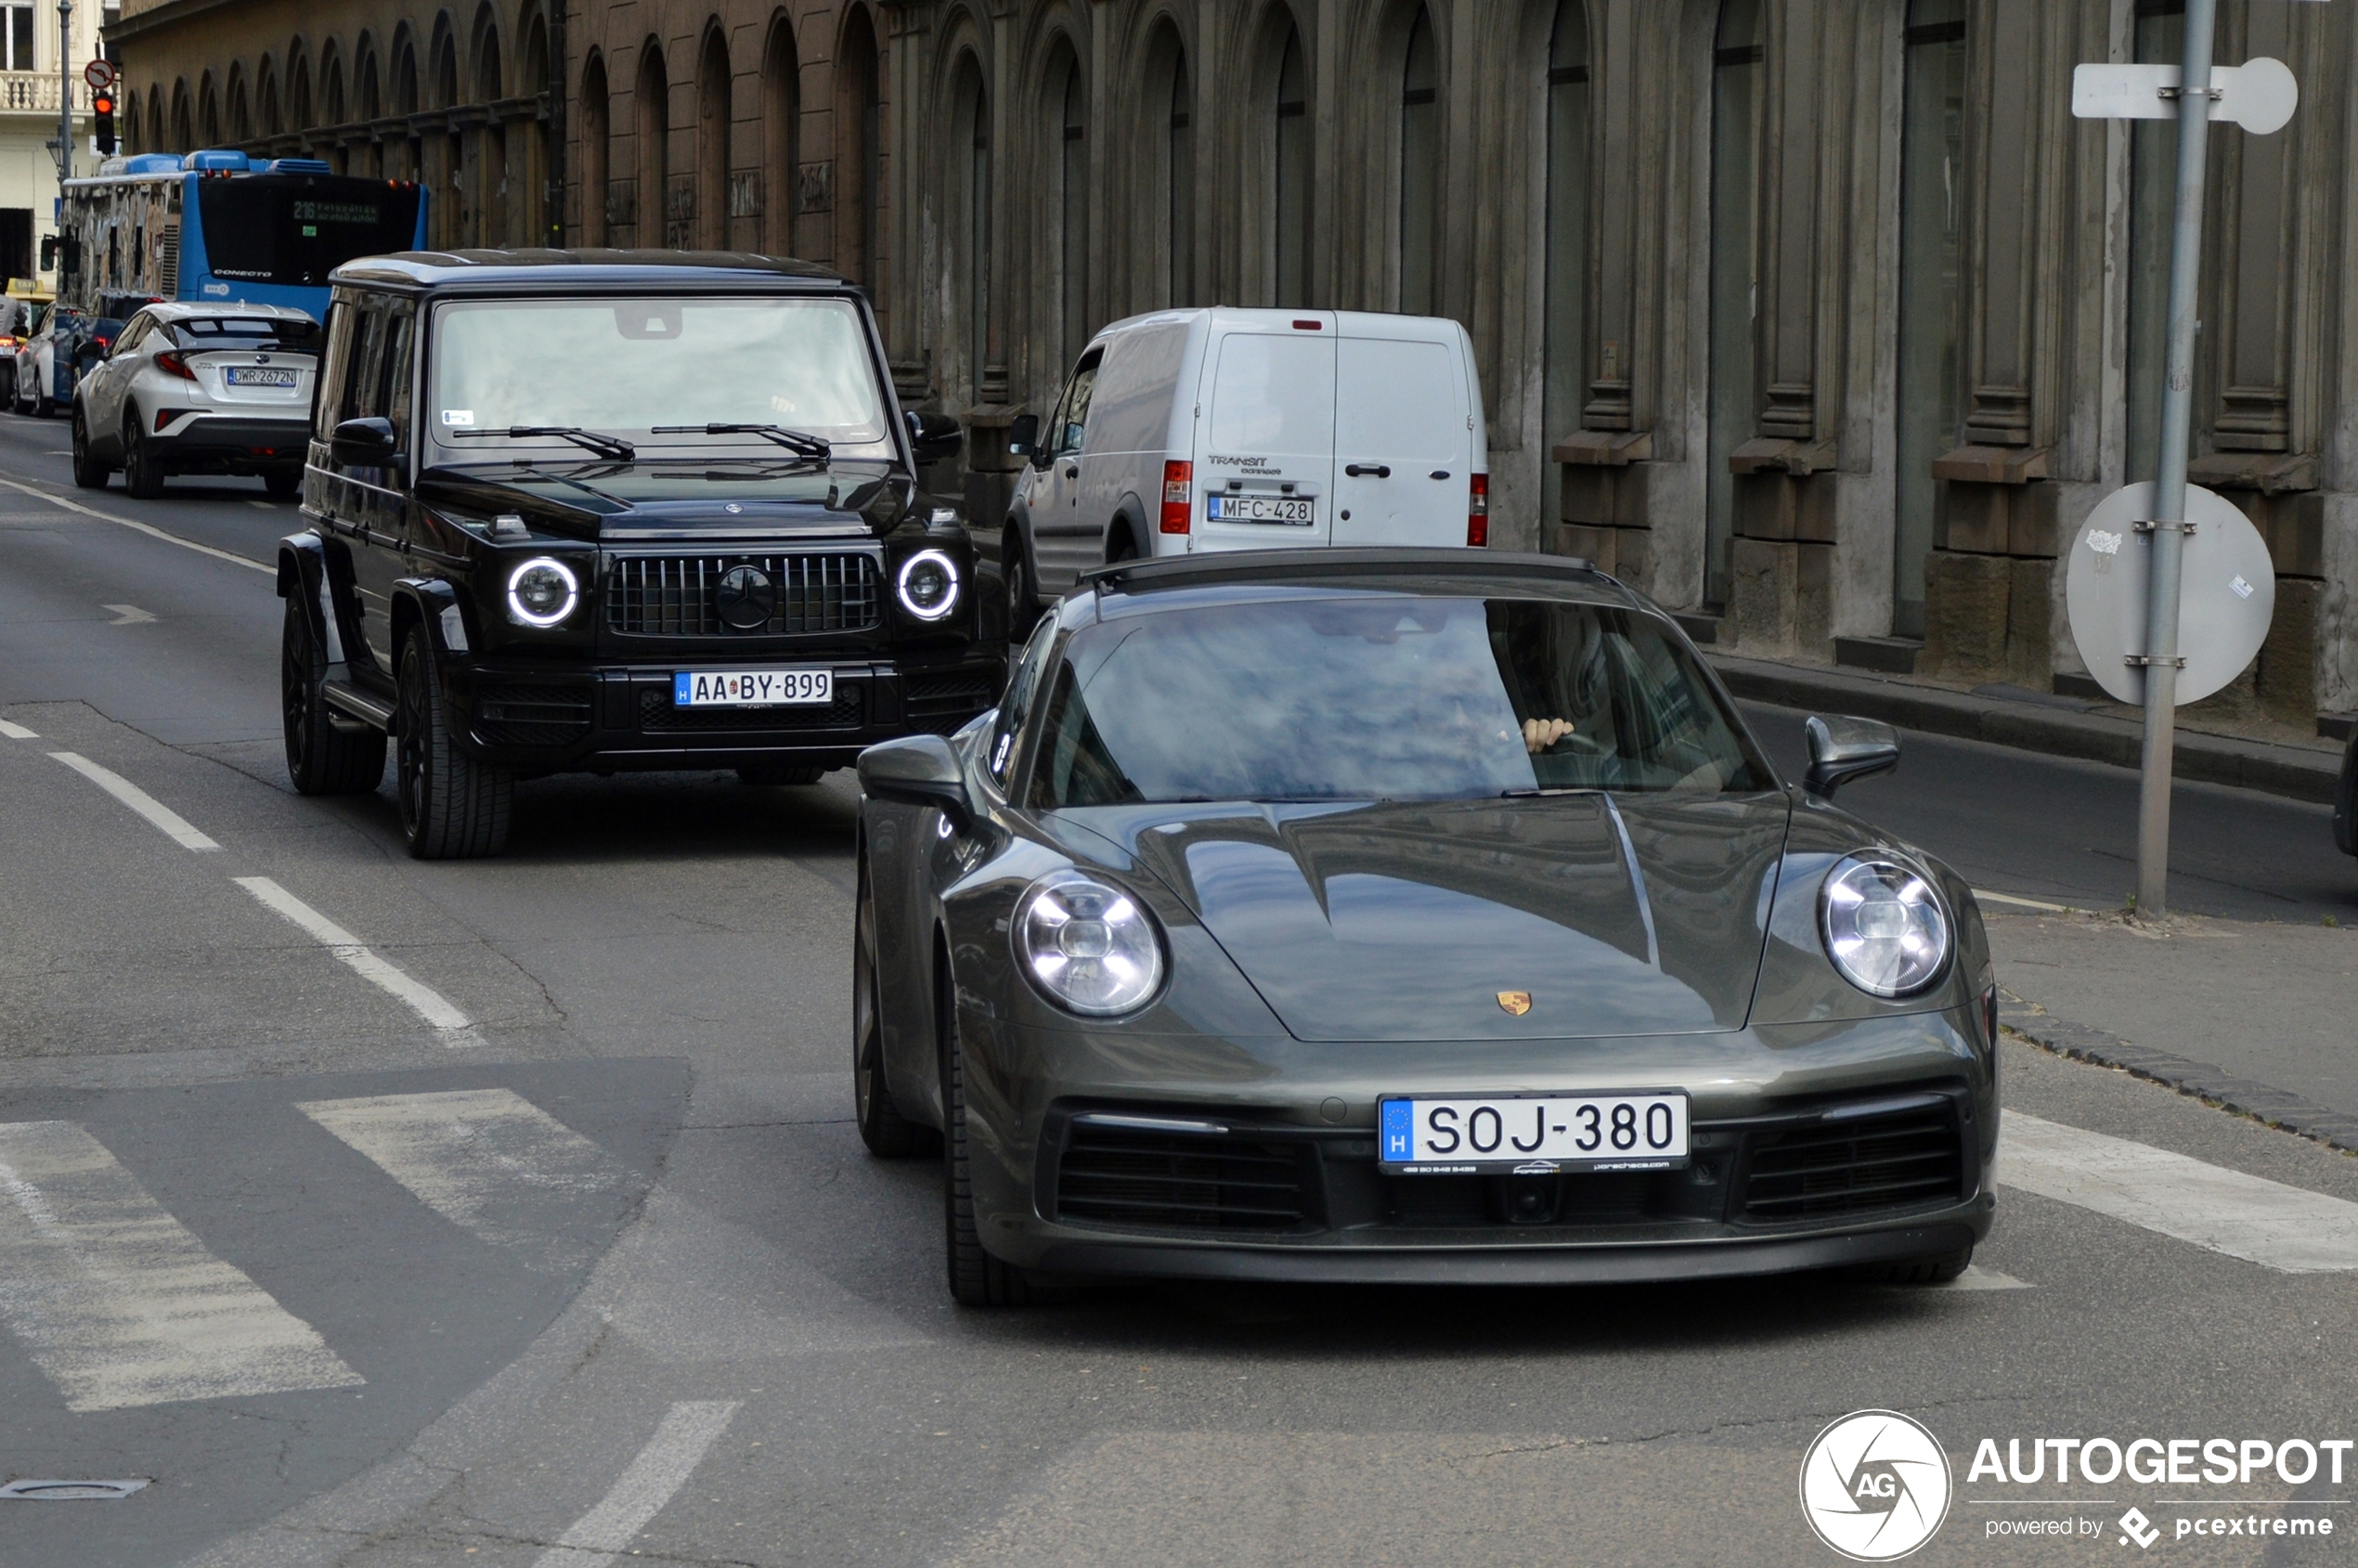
{"x": 322, "y": 758}
{"x": 452, "y": 807}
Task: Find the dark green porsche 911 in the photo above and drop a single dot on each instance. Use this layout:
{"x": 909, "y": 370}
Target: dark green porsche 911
{"x": 1408, "y": 915}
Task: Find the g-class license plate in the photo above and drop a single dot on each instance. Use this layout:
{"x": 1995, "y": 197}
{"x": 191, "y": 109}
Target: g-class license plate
{"x": 1539, "y": 1133}
{"x": 752, "y": 688}
{"x": 1300, "y": 511}
{"x": 242, "y": 375}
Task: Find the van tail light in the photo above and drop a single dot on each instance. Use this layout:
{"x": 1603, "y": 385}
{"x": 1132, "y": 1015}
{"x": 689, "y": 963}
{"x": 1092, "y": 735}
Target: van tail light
{"x": 1178, "y": 496}
{"x": 1478, "y": 511}
{"x": 172, "y": 362}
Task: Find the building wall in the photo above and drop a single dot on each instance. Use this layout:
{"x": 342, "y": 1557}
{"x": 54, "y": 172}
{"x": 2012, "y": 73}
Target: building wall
{"x": 29, "y": 94}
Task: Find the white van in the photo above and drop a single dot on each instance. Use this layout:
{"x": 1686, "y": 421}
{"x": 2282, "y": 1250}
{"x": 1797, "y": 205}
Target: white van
{"x": 1221, "y": 428}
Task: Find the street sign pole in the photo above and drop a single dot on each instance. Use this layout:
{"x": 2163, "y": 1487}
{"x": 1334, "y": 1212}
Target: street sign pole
{"x": 65, "y": 103}
{"x": 2168, "y": 520}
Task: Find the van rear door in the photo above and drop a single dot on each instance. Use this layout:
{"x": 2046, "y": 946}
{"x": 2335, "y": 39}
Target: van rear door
{"x": 1265, "y": 451}
{"x": 1403, "y": 436}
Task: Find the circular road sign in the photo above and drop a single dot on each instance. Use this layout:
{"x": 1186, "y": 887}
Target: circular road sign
{"x": 101, "y": 74}
{"x": 2226, "y": 597}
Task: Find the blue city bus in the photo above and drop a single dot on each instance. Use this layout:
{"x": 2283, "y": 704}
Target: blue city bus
{"x": 218, "y": 225}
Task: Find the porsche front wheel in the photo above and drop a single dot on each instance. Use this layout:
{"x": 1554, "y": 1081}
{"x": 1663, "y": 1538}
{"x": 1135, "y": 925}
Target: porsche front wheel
{"x": 976, "y": 1278}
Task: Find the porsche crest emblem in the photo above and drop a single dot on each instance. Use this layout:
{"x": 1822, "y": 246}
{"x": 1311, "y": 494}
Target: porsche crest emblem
{"x": 1515, "y": 1002}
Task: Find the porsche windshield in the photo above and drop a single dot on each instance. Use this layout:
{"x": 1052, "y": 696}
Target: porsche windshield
{"x": 1382, "y": 696}
{"x": 622, "y": 366}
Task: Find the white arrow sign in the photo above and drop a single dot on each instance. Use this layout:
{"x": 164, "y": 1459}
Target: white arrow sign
{"x": 2259, "y": 94}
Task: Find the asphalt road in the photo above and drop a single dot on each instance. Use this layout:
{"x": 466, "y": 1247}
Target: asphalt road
{"x": 601, "y": 1266}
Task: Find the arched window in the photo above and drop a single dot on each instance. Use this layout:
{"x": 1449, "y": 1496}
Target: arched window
{"x": 1420, "y": 170}
{"x": 1734, "y": 409}
{"x": 267, "y": 93}
{"x": 240, "y": 121}
{"x": 537, "y": 221}
{"x": 493, "y": 225}
{"x": 597, "y": 200}
{"x": 1567, "y": 297}
{"x": 1172, "y": 112}
{"x": 1932, "y": 155}
{"x": 1072, "y": 208}
{"x": 858, "y": 196}
{"x": 209, "y": 111}
{"x": 410, "y": 150}
{"x": 184, "y": 131}
{"x": 461, "y": 218}
{"x": 1290, "y": 213}
{"x": 713, "y": 119}
{"x": 781, "y": 143}
{"x": 971, "y": 137}
{"x": 653, "y": 106}
{"x": 298, "y": 115}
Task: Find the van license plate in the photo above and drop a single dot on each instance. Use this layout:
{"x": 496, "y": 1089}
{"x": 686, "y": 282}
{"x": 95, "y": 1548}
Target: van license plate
{"x": 752, "y": 688}
{"x": 244, "y": 376}
{"x": 1300, "y": 511}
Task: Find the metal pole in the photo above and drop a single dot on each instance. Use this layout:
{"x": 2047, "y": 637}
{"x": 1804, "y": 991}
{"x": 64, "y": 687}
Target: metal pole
{"x": 2170, "y": 481}
{"x": 65, "y": 110}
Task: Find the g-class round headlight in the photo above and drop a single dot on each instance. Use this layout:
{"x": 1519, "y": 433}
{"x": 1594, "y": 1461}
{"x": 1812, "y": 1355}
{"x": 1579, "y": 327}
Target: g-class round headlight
{"x": 929, "y": 584}
{"x": 1884, "y": 926}
{"x": 1092, "y": 947}
{"x": 542, "y": 592}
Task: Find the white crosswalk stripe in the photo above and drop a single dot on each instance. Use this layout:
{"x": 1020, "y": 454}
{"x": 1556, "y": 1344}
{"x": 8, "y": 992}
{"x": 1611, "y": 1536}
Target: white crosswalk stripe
{"x": 2280, "y": 1227}
{"x": 471, "y": 1154}
{"x": 118, "y": 1303}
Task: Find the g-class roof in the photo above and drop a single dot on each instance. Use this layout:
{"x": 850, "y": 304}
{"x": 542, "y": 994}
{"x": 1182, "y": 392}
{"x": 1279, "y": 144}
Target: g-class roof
{"x": 567, "y": 271}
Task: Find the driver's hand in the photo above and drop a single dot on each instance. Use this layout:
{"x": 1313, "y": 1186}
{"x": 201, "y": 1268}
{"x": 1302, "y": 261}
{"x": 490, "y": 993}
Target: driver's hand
{"x": 1539, "y": 734}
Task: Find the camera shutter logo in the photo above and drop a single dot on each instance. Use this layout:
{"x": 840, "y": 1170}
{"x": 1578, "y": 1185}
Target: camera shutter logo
{"x": 1874, "y": 1486}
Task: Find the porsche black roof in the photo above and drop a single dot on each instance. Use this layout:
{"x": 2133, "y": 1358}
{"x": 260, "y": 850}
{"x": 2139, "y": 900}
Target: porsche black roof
{"x": 568, "y": 271}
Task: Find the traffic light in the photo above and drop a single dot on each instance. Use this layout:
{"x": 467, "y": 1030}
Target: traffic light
{"x": 102, "y": 119}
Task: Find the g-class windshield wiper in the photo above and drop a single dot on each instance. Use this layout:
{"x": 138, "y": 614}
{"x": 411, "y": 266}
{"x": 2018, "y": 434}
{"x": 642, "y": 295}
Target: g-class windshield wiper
{"x": 604, "y": 445}
{"x": 801, "y": 443}
{"x": 1551, "y": 792}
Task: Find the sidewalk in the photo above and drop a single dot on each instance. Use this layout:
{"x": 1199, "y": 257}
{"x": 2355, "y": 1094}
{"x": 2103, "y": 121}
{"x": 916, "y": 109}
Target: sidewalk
{"x": 2261, "y": 1018}
{"x": 2039, "y": 722}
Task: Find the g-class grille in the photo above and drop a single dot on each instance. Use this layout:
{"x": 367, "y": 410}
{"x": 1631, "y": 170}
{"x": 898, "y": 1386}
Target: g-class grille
{"x": 1131, "y": 1176}
{"x": 674, "y": 595}
{"x": 1844, "y": 1167}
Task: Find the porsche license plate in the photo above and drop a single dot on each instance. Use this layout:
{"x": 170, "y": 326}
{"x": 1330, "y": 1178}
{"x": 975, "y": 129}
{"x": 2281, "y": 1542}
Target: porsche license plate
{"x": 1534, "y": 1133}
{"x": 1301, "y": 511}
{"x": 752, "y": 688}
{"x": 243, "y": 376}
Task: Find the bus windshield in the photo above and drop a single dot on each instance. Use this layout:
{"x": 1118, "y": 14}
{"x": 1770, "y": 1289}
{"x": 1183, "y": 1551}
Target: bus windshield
{"x": 296, "y": 229}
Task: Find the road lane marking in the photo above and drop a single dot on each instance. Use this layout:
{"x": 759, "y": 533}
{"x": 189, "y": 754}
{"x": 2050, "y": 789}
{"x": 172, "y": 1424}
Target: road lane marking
{"x": 128, "y": 614}
{"x": 118, "y": 1303}
{"x": 18, "y": 731}
{"x": 688, "y": 1433}
{"x": 420, "y": 998}
{"x": 1988, "y": 896}
{"x": 470, "y": 1153}
{"x": 148, "y": 529}
{"x": 1976, "y": 1278}
{"x": 174, "y": 824}
{"x": 2286, "y": 1228}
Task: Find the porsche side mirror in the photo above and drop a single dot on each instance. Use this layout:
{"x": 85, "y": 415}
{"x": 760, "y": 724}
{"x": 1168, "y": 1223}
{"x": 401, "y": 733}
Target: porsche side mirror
{"x": 362, "y": 443}
{"x": 1844, "y": 750}
{"x": 934, "y": 437}
{"x": 917, "y": 771}
{"x": 1023, "y": 434}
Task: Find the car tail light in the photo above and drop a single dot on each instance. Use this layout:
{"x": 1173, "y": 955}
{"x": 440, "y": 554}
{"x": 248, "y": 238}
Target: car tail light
{"x": 165, "y": 416}
{"x": 175, "y": 363}
{"x": 1178, "y": 494}
{"x": 1478, "y": 511}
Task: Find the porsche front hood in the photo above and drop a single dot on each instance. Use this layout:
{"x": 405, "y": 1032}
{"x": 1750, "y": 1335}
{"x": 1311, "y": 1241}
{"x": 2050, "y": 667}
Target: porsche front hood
{"x": 1636, "y": 914}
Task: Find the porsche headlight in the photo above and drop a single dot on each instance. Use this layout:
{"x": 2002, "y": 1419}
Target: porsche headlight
{"x": 1092, "y": 947}
{"x": 542, "y": 592}
{"x": 1884, "y": 926}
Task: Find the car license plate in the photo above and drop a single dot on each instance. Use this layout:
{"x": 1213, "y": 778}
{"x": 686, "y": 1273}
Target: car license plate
{"x": 1299, "y": 511}
{"x": 752, "y": 688}
{"x": 242, "y": 375}
{"x": 1535, "y": 1133}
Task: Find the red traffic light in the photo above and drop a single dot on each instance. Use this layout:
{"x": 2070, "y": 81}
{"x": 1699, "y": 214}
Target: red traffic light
{"x": 103, "y": 104}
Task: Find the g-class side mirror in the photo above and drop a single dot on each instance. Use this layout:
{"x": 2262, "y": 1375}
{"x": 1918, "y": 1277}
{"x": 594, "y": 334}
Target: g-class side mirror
{"x": 1842, "y": 750}
{"x": 917, "y": 771}
{"x": 362, "y": 443}
{"x": 934, "y": 437}
{"x": 1023, "y": 434}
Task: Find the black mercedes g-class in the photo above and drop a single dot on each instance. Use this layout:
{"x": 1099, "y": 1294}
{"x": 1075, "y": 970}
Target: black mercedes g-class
{"x": 601, "y": 510}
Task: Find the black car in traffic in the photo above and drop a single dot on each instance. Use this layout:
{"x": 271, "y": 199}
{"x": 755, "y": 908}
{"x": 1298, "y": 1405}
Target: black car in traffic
{"x": 596, "y": 511}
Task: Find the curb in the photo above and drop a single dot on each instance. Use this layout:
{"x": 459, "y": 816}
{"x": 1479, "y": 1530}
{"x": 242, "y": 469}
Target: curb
{"x": 2295, "y": 772}
{"x": 2285, "y": 1112}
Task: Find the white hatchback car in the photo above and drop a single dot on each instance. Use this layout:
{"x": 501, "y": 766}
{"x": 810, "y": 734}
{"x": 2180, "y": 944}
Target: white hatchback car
{"x": 195, "y": 388}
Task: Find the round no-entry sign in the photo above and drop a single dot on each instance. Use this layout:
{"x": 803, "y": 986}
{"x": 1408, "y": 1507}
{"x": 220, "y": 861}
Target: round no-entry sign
{"x": 101, "y": 74}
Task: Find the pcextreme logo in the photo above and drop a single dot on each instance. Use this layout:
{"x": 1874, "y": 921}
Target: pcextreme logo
{"x": 1874, "y": 1486}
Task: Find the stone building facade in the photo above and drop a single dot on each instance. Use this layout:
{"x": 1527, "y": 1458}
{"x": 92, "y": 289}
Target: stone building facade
{"x": 1821, "y": 320}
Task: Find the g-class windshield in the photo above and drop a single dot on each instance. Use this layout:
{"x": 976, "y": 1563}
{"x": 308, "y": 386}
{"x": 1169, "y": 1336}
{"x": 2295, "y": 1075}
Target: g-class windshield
{"x": 624, "y": 368}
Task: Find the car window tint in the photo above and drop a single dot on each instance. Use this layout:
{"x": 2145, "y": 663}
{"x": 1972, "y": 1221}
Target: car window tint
{"x": 1075, "y": 414}
{"x": 392, "y": 372}
{"x": 335, "y": 367}
{"x": 253, "y": 332}
{"x": 1016, "y": 704}
{"x": 1383, "y": 698}
{"x": 362, "y": 383}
